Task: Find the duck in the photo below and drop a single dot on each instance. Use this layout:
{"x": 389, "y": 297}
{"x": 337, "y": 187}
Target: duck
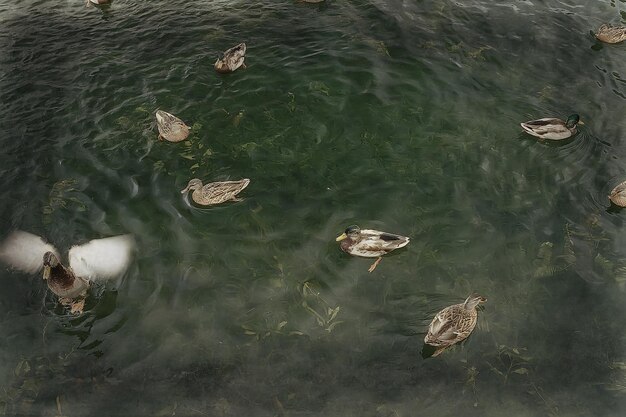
{"x": 611, "y": 34}
{"x": 453, "y": 324}
{"x": 231, "y": 59}
{"x": 97, "y": 2}
{"x": 171, "y": 128}
{"x": 98, "y": 259}
{"x": 215, "y": 192}
{"x": 552, "y": 128}
{"x": 618, "y": 195}
{"x": 369, "y": 243}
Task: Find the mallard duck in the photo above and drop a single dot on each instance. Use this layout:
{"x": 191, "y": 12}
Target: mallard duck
{"x": 552, "y": 128}
{"x": 215, "y": 192}
{"x": 171, "y": 128}
{"x": 453, "y": 324}
{"x": 231, "y": 59}
{"x": 618, "y": 195}
{"x": 369, "y": 243}
{"x": 97, "y": 2}
{"x": 611, "y": 34}
{"x": 97, "y": 259}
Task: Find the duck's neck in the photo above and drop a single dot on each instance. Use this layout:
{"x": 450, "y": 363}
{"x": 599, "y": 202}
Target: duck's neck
{"x": 471, "y": 303}
{"x": 61, "y": 276}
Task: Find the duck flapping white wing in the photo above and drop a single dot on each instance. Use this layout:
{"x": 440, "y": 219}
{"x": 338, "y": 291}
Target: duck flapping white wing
{"x": 102, "y": 258}
{"x": 24, "y": 251}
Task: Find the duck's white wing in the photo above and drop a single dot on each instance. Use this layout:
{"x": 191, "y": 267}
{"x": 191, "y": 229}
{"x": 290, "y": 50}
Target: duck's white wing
{"x": 102, "y": 258}
{"x": 24, "y": 251}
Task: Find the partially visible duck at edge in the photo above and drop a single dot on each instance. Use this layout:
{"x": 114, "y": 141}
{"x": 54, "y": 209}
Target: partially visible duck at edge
{"x": 611, "y": 34}
{"x": 98, "y": 259}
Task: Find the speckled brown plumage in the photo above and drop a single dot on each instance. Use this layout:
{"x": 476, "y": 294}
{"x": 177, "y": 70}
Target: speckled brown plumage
{"x": 453, "y": 324}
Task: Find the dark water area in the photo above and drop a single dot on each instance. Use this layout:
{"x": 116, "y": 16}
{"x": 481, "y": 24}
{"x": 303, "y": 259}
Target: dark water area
{"x": 394, "y": 115}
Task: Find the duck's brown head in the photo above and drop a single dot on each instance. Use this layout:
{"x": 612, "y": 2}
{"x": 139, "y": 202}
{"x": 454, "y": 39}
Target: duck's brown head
{"x": 49, "y": 261}
{"x": 194, "y": 184}
{"x": 473, "y": 300}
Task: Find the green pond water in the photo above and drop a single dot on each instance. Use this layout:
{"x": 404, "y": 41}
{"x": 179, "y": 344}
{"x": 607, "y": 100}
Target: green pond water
{"x": 401, "y": 116}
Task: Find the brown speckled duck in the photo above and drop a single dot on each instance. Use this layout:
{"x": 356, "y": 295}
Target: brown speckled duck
{"x": 453, "y": 324}
{"x": 95, "y": 260}
{"x": 231, "y": 59}
{"x": 618, "y": 195}
{"x": 369, "y": 243}
{"x": 215, "y": 192}
{"x": 611, "y": 34}
{"x": 171, "y": 128}
{"x": 97, "y": 2}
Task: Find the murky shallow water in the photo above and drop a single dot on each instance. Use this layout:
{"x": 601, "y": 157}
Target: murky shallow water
{"x": 395, "y": 115}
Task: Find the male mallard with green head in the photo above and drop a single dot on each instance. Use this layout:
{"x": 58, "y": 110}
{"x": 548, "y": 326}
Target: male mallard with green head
{"x": 552, "y": 128}
{"x": 171, "y": 128}
{"x": 369, "y": 243}
{"x": 453, "y": 324}
{"x": 231, "y": 59}
{"x": 611, "y": 34}
{"x": 95, "y": 260}
{"x": 215, "y": 192}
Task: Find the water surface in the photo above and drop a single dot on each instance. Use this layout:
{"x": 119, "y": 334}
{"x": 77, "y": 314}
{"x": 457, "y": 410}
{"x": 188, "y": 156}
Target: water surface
{"x": 396, "y": 115}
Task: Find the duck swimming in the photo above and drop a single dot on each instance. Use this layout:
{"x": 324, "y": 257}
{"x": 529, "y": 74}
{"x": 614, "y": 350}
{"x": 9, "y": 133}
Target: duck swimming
{"x": 215, "y": 192}
{"x": 453, "y": 324}
{"x": 97, "y": 259}
{"x": 96, "y": 2}
{"x": 369, "y": 243}
{"x": 231, "y": 59}
{"x": 171, "y": 128}
{"x": 618, "y": 195}
{"x": 611, "y": 34}
{"x": 552, "y": 128}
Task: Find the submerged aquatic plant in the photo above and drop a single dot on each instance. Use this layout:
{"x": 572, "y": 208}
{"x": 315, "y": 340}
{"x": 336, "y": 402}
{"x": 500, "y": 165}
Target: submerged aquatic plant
{"x": 60, "y": 198}
{"x": 377, "y": 45}
{"x": 509, "y": 361}
{"x": 292, "y": 102}
{"x": 319, "y": 87}
{"x": 138, "y": 123}
{"x": 324, "y": 314}
{"x": 196, "y": 151}
{"x": 546, "y": 264}
{"x": 587, "y": 250}
{"x": 260, "y": 333}
{"x": 618, "y": 383}
{"x": 31, "y": 377}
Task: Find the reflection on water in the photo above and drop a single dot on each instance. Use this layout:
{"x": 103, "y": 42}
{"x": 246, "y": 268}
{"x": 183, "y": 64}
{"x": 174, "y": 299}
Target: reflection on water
{"x": 400, "y": 116}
